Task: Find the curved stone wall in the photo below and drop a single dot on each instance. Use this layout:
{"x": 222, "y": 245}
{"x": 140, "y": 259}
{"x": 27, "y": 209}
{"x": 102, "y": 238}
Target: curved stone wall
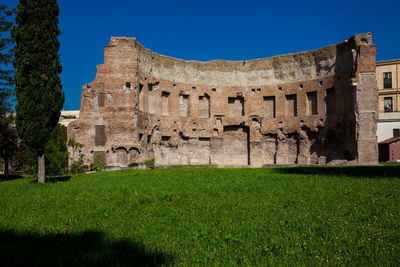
{"x": 313, "y": 107}
{"x": 302, "y": 66}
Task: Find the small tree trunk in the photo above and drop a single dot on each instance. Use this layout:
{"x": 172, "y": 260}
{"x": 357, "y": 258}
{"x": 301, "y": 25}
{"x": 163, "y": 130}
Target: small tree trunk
{"x": 6, "y": 165}
{"x": 41, "y": 168}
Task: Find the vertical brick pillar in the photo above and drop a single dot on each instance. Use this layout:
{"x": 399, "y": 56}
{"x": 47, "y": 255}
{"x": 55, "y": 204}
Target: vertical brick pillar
{"x": 366, "y": 105}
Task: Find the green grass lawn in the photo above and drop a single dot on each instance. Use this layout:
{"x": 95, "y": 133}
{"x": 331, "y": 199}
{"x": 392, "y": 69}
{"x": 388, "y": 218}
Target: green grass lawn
{"x": 277, "y": 216}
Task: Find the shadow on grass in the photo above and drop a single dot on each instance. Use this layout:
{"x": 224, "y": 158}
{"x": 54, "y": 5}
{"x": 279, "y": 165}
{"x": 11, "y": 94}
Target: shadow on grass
{"x": 8, "y": 177}
{"x": 351, "y": 171}
{"x": 85, "y": 249}
{"x": 55, "y": 179}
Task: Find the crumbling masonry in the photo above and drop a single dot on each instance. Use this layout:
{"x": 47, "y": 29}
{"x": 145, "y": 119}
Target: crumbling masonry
{"x": 312, "y": 107}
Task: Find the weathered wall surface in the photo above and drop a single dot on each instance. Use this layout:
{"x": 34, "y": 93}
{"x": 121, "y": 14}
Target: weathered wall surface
{"x": 314, "y": 107}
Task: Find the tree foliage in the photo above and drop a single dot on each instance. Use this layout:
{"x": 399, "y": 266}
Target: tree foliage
{"x": 37, "y": 81}
{"x": 38, "y": 85}
{"x": 8, "y": 136}
{"x": 8, "y": 139}
{"x": 56, "y": 153}
{"x": 6, "y": 53}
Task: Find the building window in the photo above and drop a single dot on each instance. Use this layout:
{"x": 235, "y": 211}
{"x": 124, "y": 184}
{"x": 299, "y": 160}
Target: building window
{"x": 269, "y": 107}
{"x": 396, "y": 132}
{"x": 312, "y": 103}
{"x": 291, "y": 105}
{"x": 184, "y": 105}
{"x": 388, "y": 104}
{"x": 100, "y": 135}
{"x": 204, "y": 106}
{"x": 236, "y": 105}
{"x": 387, "y": 80}
{"x": 165, "y": 103}
{"x": 330, "y": 100}
{"x": 100, "y": 99}
{"x": 128, "y": 86}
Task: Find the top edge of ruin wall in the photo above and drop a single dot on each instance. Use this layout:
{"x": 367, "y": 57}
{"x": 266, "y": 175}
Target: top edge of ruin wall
{"x": 302, "y": 66}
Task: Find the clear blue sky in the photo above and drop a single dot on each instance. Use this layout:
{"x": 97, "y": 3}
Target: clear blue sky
{"x": 219, "y": 29}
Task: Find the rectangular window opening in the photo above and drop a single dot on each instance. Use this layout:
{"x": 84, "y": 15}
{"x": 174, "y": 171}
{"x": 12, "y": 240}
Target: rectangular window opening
{"x": 387, "y": 80}
{"x": 141, "y": 97}
{"x": 312, "y": 103}
{"x": 165, "y": 138}
{"x": 204, "y": 106}
{"x": 236, "y": 105}
{"x": 101, "y": 99}
{"x": 396, "y": 132}
{"x": 291, "y": 105}
{"x": 330, "y": 100}
{"x": 165, "y": 103}
{"x": 184, "y": 105}
{"x": 269, "y": 107}
{"x": 388, "y": 104}
{"x": 100, "y": 135}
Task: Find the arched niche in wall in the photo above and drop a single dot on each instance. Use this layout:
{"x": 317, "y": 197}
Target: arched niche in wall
{"x": 133, "y": 155}
{"x": 122, "y": 155}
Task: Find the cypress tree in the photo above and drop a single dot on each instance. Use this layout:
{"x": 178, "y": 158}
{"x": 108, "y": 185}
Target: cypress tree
{"x": 37, "y": 81}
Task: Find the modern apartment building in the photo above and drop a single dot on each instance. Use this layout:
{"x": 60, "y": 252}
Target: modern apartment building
{"x": 387, "y": 76}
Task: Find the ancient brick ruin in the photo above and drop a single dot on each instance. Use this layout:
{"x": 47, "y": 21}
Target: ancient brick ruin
{"x": 312, "y": 107}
